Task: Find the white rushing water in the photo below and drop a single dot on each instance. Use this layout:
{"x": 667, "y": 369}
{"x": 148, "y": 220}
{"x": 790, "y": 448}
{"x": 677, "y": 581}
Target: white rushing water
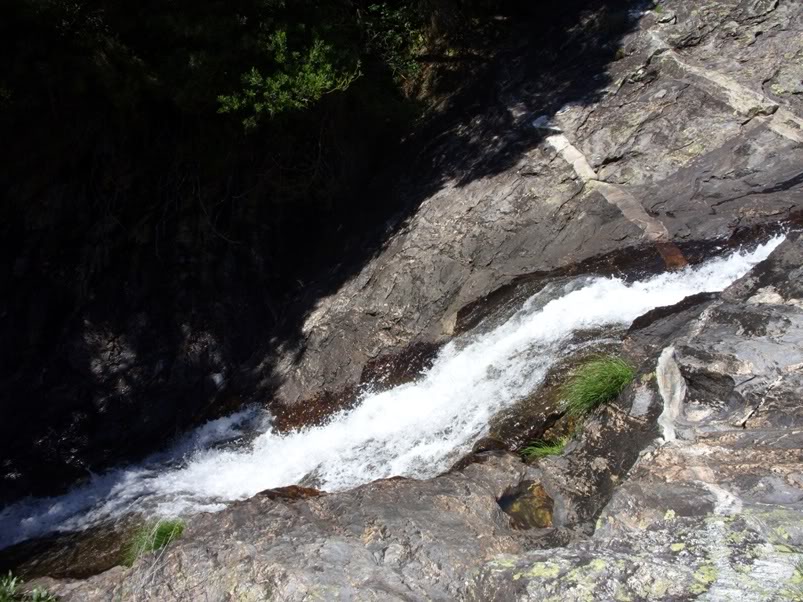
{"x": 414, "y": 430}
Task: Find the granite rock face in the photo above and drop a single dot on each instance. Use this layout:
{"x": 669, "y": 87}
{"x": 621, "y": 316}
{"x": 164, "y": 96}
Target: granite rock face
{"x": 685, "y": 131}
{"x": 713, "y": 508}
{"x": 390, "y": 540}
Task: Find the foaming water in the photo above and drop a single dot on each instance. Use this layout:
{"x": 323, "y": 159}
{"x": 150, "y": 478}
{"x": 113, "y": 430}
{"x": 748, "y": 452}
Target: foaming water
{"x": 414, "y": 430}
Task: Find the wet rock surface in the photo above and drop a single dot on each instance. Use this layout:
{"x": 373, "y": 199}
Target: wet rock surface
{"x": 541, "y": 415}
{"x": 72, "y": 555}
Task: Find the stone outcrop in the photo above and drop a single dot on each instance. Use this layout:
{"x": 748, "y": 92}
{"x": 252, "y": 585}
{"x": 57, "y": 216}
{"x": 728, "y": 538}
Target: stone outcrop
{"x": 688, "y": 136}
{"x": 689, "y": 484}
{"x": 714, "y": 506}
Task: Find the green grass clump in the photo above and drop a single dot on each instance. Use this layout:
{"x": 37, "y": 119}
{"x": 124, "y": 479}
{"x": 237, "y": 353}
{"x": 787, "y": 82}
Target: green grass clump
{"x": 596, "y": 382}
{"x": 9, "y": 591}
{"x": 151, "y": 537}
{"x": 542, "y": 449}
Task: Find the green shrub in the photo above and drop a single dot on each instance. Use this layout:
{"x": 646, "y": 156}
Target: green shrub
{"x": 9, "y": 592}
{"x": 151, "y": 537}
{"x": 395, "y": 34}
{"x": 305, "y": 76}
{"x": 596, "y": 382}
{"x": 542, "y": 449}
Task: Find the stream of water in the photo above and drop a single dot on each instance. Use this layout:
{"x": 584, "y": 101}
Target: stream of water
{"x": 414, "y": 430}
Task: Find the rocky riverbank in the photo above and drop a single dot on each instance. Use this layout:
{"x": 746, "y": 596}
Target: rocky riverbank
{"x": 690, "y": 483}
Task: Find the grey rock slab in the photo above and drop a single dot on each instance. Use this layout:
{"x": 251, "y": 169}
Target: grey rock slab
{"x": 716, "y": 514}
{"x": 667, "y": 130}
{"x": 395, "y": 539}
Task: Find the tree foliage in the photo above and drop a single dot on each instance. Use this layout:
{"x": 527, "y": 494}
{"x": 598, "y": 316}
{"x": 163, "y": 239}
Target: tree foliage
{"x": 141, "y": 107}
{"x": 298, "y": 79}
{"x": 255, "y": 58}
{"x": 395, "y": 35}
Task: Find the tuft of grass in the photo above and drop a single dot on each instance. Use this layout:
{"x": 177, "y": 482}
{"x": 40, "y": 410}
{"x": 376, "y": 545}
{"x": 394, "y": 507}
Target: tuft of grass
{"x": 10, "y": 592}
{"x": 543, "y": 449}
{"x": 151, "y": 537}
{"x": 596, "y": 382}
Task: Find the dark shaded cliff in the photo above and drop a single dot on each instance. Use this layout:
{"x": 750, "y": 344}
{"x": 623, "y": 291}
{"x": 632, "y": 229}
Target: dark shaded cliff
{"x": 158, "y": 261}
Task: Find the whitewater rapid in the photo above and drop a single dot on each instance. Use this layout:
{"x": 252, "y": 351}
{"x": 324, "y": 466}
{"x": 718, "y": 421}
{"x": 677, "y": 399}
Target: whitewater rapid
{"x": 414, "y": 430}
